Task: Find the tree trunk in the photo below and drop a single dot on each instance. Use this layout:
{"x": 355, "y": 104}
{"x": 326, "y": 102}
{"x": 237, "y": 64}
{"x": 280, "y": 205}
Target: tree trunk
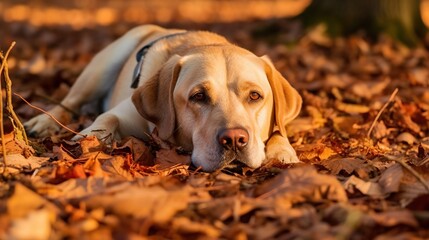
{"x": 400, "y": 19}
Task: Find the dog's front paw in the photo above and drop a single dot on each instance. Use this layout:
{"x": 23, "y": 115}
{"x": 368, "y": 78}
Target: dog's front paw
{"x": 43, "y": 125}
{"x": 278, "y": 147}
{"x": 104, "y": 128}
{"x": 100, "y": 132}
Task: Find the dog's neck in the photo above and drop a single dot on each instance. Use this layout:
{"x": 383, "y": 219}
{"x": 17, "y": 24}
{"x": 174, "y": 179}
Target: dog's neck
{"x": 140, "y": 56}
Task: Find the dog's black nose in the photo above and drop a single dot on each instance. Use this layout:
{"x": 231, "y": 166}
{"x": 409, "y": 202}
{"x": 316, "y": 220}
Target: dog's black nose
{"x": 233, "y": 138}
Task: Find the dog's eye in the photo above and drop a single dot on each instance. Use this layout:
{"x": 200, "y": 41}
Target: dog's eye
{"x": 199, "y": 97}
{"x": 254, "y": 96}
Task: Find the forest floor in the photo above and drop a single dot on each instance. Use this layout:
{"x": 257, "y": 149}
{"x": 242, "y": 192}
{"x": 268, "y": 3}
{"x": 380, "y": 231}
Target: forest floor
{"x": 362, "y": 137}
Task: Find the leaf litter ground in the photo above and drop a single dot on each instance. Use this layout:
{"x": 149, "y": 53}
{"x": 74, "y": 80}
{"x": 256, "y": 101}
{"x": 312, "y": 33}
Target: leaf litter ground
{"x": 364, "y": 172}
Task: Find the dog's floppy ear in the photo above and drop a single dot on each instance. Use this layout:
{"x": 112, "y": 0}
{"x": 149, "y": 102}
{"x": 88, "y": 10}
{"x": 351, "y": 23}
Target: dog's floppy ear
{"x": 154, "y": 99}
{"x": 287, "y": 101}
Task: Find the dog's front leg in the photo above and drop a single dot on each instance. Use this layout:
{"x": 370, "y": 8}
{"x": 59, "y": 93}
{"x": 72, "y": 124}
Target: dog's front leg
{"x": 278, "y": 147}
{"x": 122, "y": 120}
{"x": 97, "y": 79}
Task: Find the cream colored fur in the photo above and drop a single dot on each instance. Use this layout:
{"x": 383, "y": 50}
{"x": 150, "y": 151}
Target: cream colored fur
{"x": 174, "y": 70}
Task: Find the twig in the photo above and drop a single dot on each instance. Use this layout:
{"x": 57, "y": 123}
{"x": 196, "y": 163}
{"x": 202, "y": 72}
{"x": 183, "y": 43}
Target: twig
{"x": 17, "y": 125}
{"x": 56, "y": 102}
{"x": 392, "y": 96}
{"x": 410, "y": 169}
{"x": 50, "y": 115}
{"x": 3, "y": 144}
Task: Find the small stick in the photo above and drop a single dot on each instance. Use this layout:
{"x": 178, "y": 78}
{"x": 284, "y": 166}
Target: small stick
{"x": 50, "y": 115}
{"x": 381, "y": 111}
{"x": 18, "y": 127}
{"x": 3, "y": 144}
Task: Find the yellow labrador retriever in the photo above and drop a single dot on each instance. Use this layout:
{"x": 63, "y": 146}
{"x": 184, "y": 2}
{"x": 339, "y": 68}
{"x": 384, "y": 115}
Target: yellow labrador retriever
{"x": 201, "y": 92}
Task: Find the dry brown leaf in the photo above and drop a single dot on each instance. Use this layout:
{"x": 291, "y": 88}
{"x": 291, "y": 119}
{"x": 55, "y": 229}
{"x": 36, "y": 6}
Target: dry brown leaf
{"x": 94, "y": 163}
{"x": 372, "y": 189}
{"x": 77, "y": 188}
{"x": 389, "y": 182}
{"x": 16, "y": 146}
{"x": 390, "y": 179}
{"x": 380, "y": 130}
{"x": 352, "y": 108}
{"x": 115, "y": 167}
{"x": 395, "y": 218}
{"x": 420, "y": 203}
{"x": 167, "y": 158}
{"x": 24, "y": 201}
{"x": 17, "y": 163}
{"x": 406, "y": 137}
{"x": 154, "y": 203}
{"x": 224, "y": 208}
{"x": 301, "y": 124}
{"x": 395, "y": 235}
{"x": 61, "y": 154}
{"x": 349, "y": 165}
{"x": 36, "y": 225}
{"x": 185, "y": 225}
{"x": 89, "y": 144}
{"x": 411, "y": 190}
{"x": 345, "y": 125}
{"x": 327, "y": 153}
{"x": 419, "y": 76}
{"x": 370, "y": 89}
{"x": 64, "y": 172}
{"x": 302, "y": 184}
{"x": 312, "y": 151}
{"x": 317, "y": 117}
{"x": 140, "y": 152}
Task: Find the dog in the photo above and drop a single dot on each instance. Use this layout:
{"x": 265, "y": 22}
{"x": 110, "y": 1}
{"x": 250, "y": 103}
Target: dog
{"x": 214, "y": 99}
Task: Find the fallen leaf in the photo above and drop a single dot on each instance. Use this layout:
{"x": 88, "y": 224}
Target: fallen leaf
{"x": 411, "y": 190}
{"x": 372, "y": 189}
{"x": 390, "y": 179}
{"x": 77, "y": 188}
{"x": 154, "y": 203}
{"x": 302, "y": 184}
{"x": 370, "y": 89}
{"x": 349, "y": 165}
{"x": 312, "y": 151}
{"x": 185, "y": 225}
{"x": 345, "y": 125}
{"x": 166, "y": 158}
{"x": 36, "y": 225}
{"x": 395, "y": 218}
{"x": 351, "y": 108}
{"x": 64, "y": 172}
{"x": 24, "y": 201}
{"x": 89, "y": 144}
{"x": 406, "y": 137}
{"x": 115, "y": 167}
{"x": 140, "y": 152}
{"x": 420, "y": 203}
{"x": 17, "y": 163}
{"x": 380, "y": 130}
{"x": 61, "y": 154}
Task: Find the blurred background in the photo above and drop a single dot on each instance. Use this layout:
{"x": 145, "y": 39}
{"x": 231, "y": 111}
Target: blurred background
{"x": 405, "y": 20}
{"x": 86, "y": 13}
{"x": 315, "y": 44}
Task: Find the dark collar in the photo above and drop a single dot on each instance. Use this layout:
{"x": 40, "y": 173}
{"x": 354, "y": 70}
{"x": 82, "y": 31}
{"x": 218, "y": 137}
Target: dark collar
{"x": 142, "y": 53}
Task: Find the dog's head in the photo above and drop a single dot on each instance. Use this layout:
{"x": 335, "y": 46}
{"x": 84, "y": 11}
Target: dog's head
{"x": 221, "y": 101}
